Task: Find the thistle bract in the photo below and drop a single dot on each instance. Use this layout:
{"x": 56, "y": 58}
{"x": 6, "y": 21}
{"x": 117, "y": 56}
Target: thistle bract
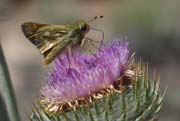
{"x": 86, "y": 74}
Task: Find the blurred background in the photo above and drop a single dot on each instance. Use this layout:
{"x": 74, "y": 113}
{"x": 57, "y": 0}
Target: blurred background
{"x": 152, "y": 27}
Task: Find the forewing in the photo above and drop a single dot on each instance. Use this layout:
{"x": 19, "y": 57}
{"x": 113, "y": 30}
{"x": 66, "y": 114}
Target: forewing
{"x": 44, "y": 36}
{"x": 30, "y": 28}
{"x": 50, "y": 36}
{"x": 65, "y": 42}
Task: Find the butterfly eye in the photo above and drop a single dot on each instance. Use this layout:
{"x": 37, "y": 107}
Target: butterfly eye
{"x": 84, "y": 28}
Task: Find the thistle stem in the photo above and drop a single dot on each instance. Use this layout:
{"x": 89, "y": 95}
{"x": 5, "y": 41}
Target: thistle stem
{"x": 3, "y": 111}
{"x": 6, "y": 89}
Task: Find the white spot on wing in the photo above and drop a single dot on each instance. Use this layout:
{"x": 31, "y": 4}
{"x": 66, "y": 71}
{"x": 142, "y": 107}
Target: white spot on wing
{"x": 46, "y": 33}
{"x": 46, "y": 42}
{"x": 57, "y": 34}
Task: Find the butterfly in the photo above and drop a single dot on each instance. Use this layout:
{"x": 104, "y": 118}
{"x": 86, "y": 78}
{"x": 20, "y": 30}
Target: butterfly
{"x": 52, "y": 40}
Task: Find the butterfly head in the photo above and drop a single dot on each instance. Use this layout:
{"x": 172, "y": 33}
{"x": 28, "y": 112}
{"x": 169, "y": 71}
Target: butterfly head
{"x": 83, "y": 26}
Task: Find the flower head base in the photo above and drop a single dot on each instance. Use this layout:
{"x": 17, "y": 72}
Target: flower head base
{"x": 86, "y": 74}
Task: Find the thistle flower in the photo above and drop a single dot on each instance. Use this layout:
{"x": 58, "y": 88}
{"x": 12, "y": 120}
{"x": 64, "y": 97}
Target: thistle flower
{"x": 87, "y": 74}
{"x": 88, "y": 87}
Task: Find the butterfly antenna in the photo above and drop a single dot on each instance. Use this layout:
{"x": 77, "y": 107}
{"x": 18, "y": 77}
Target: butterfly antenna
{"x": 102, "y": 36}
{"x": 95, "y": 18}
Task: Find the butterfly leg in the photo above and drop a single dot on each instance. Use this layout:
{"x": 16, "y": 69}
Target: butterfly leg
{"x": 86, "y": 41}
{"x": 101, "y": 42}
{"x": 82, "y": 43}
{"x": 68, "y": 53}
{"x": 89, "y": 48}
{"x": 91, "y": 42}
{"x": 102, "y": 36}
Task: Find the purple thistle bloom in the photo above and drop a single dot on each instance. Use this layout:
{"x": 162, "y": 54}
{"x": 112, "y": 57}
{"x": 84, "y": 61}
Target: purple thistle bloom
{"x": 87, "y": 73}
